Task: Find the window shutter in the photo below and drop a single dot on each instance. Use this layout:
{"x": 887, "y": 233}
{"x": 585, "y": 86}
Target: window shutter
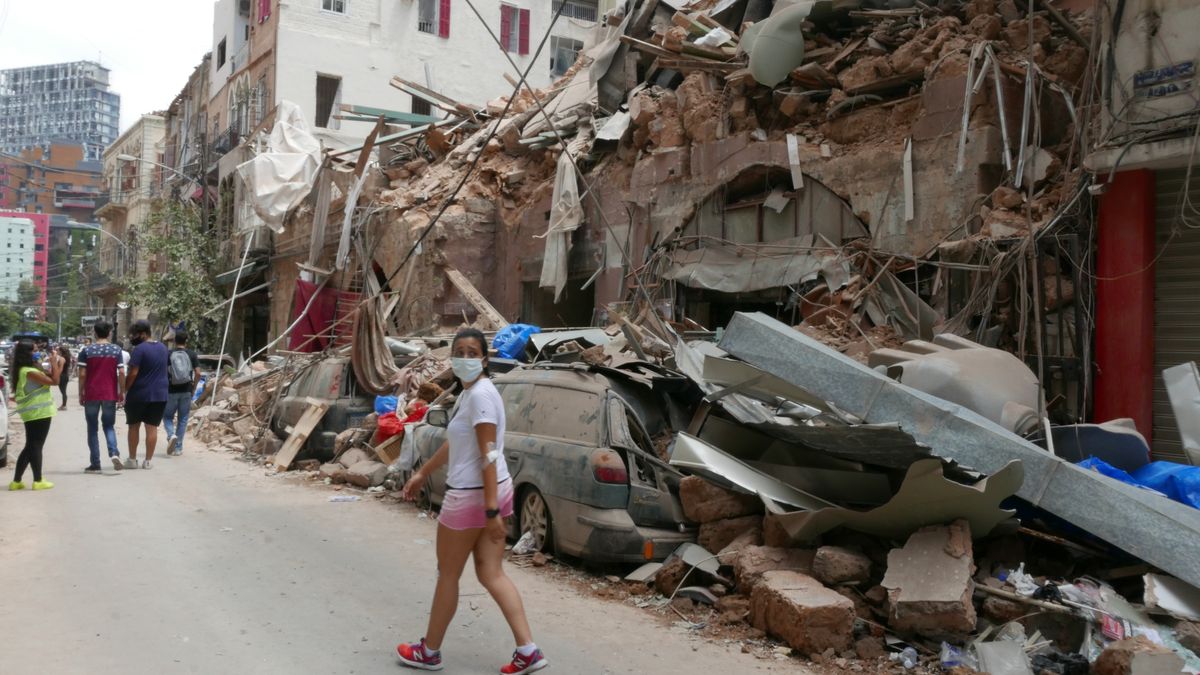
{"x": 524, "y": 35}
{"x": 444, "y": 18}
{"x": 506, "y": 27}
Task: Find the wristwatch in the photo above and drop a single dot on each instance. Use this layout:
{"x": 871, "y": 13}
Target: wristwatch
{"x": 491, "y": 513}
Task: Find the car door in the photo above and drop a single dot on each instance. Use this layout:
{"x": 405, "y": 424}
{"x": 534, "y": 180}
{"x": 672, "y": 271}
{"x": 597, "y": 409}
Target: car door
{"x": 651, "y": 503}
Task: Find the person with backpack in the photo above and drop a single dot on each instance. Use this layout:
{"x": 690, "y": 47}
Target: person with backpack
{"x": 145, "y": 391}
{"x": 183, "y": 374}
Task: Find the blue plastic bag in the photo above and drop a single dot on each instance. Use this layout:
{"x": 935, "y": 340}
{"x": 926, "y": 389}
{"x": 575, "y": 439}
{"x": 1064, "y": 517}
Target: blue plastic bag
{"x": 510, "y": 342}
{"x": 1179, "y": 482}
{"x": 385, "y": 404}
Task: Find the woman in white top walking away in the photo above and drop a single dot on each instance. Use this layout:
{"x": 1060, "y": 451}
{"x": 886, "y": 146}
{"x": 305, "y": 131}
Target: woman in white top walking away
{"x": 479, "y": 496}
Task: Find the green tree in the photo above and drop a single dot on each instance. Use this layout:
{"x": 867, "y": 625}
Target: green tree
{"x": 182, "y": 289}
{"x": 10, "y": 321}
{"x": 28, "y": 294}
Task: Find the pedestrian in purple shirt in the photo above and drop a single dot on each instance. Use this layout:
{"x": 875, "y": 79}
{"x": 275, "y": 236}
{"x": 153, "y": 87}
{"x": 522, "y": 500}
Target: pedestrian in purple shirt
{"x": 145, "y": 391}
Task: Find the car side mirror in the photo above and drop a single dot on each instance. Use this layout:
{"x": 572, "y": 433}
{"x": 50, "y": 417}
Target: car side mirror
{"x": 438, "y": 417}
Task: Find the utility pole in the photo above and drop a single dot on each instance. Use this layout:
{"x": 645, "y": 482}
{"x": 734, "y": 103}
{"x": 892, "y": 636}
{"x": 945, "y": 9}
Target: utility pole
{"x": 61, "y": 295}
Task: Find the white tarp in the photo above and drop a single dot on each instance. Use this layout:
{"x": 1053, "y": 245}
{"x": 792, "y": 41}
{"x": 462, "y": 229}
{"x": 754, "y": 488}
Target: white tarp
{"x": 737, "y": 268}
{"x": 279, "y": 178}
{"x": 566, "y": 213}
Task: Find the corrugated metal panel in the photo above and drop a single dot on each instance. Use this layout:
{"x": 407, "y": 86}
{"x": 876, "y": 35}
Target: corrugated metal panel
{"x": 1176, "y": 300}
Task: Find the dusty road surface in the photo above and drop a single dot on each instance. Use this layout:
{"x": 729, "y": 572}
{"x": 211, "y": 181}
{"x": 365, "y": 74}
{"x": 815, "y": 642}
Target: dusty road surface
{"x": 205, "y": 565}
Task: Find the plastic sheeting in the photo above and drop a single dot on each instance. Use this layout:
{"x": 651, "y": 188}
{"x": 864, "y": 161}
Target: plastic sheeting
{"x": 1179, "y": 482}
{"x": 566, "y": 214}
{"x": 733, "y": 268}
{"x": 278, "y": 179}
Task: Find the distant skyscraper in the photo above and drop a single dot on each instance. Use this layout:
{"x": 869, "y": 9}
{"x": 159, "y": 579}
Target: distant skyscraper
{"x": 62, "y": 102}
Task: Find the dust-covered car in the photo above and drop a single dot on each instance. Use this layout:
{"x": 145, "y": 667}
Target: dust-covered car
{"x": 579, "y": 447}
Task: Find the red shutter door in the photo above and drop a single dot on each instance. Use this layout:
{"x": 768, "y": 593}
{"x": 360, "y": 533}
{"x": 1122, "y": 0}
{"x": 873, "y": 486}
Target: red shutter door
{"x": 524, "y": 36}
{"x": 506, "y": 26}
{"x": 444, "y": 18}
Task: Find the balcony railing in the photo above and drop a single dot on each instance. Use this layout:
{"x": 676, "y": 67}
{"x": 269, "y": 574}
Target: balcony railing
{"x": 578, "y": 9}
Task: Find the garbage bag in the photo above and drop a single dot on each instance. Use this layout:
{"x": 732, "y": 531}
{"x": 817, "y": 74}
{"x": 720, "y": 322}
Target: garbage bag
{"x": 386, "y": 404}
{"x": 389, "y": 425}
{"x": 510, "y": 341}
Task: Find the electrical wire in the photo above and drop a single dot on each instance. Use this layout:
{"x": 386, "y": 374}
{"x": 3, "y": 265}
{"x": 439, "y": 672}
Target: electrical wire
{"x": 478, "y": 156}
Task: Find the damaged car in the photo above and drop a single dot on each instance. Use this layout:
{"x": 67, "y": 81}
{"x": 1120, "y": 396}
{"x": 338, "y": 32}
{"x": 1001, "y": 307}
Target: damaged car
{"x": 580, "y": 448}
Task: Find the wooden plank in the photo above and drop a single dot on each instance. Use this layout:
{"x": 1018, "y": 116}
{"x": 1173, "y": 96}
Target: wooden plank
{"x": 389, "y": 450}
{"x": 853, "y": 45}
{"x": 476, "y": 298}
{"x": 394, "y": 116}
{"x": 649, "y": 48}
{"x": 698, "y": 64}
{"x": 308, "y": 421}
{"x": 368, "y": 146}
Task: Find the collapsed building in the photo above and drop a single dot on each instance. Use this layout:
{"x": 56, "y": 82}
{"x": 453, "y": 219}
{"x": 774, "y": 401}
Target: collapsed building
{"x": 777, "y": 201}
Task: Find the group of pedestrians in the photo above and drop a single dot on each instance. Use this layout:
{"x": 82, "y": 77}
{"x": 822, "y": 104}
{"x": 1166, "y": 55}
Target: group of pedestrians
{"x": 153, "y": 382}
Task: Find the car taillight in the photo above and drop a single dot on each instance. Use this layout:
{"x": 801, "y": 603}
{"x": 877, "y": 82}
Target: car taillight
{"x": 608, "y": 467}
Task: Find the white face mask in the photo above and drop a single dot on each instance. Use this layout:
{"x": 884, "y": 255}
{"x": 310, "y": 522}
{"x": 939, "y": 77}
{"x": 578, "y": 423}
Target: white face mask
{"x": 467, "y": 370}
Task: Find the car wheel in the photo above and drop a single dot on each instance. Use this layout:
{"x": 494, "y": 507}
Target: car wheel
{"x": 535, "y": 518}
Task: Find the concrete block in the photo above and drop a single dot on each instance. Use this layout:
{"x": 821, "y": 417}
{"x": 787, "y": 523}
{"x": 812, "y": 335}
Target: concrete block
{"x": 773, "y": 532}
{"x": 836, "y": 565}
{"x": 1137, "y": 656}
{"x": 718, "y": 534}
{"x": 354, "y": 456}
{"x": 704, "y": 502}
{"x": 367, "y": 474}
{"x": 333, "y": 471}
{"x": 755, "y": 561}
{"x": 930, "y": 585}
{"x": 797, "y": 609}
{"x": 748, "y": 538}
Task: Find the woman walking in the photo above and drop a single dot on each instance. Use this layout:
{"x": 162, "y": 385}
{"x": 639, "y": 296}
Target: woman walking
{"x": 35, "y": 405}
{"x": 479, "y": 496}
{"x": 63, "y": 379}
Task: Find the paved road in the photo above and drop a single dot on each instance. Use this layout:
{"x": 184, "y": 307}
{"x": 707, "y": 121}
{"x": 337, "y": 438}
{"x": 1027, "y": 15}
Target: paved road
{"x": 206, "y": 565}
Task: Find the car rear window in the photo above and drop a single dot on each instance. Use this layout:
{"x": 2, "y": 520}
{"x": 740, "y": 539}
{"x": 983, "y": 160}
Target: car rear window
{"x": 563, "y": 413}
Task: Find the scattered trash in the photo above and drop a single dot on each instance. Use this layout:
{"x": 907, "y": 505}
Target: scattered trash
{"x": 344, "y": 498}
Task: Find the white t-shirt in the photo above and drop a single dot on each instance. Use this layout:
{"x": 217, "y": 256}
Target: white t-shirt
{"x": 480, "y": 404}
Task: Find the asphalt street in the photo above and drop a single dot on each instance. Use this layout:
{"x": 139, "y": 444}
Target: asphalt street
{"x": 205, "y": 564}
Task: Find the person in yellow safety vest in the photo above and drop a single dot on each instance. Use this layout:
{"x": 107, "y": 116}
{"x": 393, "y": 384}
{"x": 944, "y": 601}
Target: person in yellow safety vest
{"x": 35, "y": 404}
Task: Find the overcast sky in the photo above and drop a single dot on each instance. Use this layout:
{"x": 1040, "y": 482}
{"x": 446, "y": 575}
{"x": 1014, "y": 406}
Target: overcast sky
{"x": 151, "y": 46}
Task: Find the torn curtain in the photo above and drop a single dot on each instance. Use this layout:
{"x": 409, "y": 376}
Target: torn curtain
{"x": 329, "y": 306}
{"x": 566, "y": 213}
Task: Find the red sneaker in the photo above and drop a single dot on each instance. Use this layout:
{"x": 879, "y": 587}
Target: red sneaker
{"x": 525, "y": 664}
{"x": 417, "y": 655}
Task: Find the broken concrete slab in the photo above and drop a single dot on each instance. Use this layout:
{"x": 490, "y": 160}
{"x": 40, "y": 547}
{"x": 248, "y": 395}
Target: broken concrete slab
{"x": 797, "y": 609}
{"x": 354, "y": 456}
{"x": 730, "y": 535}
{"x": 1137, "y": 656}
{"x": 754, "y": 561}
{"x": 333, "y": 471}
{"x": 704, "y": 502}
{"x": 1153, "y": 528}
{"x": 926, "y": 497}
{"x": 930, "y": 585}
{"x": 835, "y": 565}
{"x": 368, "y": 473}
{"x": 1171, "y": 596}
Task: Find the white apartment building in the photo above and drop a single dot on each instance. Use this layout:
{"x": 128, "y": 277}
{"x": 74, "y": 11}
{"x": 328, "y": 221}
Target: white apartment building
{"x": 323, "y": 53}
{"x": 16, "y": 255}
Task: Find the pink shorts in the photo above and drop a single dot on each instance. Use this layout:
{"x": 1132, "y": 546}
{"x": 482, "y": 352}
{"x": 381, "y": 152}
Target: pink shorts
{"x": 465, "y": 510}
